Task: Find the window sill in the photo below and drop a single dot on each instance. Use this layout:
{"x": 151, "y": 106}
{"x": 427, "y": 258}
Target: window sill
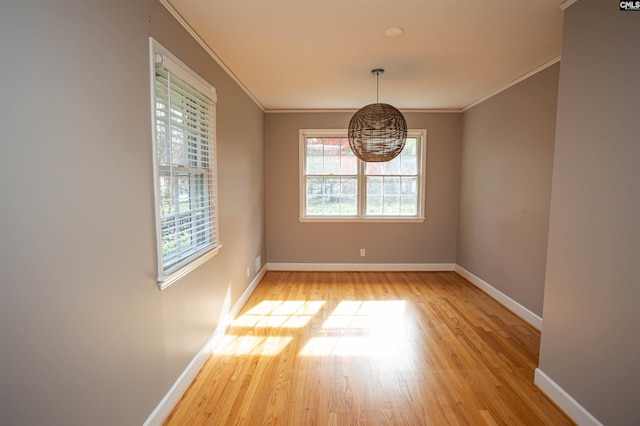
{"x": 391, "y": 219}
{"x": 175, "y": 276}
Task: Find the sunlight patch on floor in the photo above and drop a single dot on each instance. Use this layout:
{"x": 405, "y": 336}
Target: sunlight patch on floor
{"x": 279, "y": 314}
{"x": 250, "y": 345}
{"x": 379, "y": 315}
{"x": 361, "y": 328}
{"x": 355, "y": 328}
{"x": 354, "y": 346}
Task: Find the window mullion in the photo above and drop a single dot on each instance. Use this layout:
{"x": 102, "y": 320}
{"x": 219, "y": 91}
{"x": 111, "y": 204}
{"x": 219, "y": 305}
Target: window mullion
{"x": 362, "y": 189}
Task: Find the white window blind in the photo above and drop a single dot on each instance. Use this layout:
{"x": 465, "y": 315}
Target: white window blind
{"x": 185, "y": 166}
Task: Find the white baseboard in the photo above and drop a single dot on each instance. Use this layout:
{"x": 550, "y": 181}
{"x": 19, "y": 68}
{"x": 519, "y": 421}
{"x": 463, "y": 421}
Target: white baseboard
{"x": 361, "y": 266}
{"x": 532, "y": 319}
{"x": 175, "y": 392}
{"x": 563, "y": 400}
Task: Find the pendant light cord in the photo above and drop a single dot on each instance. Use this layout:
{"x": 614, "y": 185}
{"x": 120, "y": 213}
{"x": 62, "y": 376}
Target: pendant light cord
{"x": 377, "y": 73}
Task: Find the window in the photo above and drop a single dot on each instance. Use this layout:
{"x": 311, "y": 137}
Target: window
{"x": 336, "y": 185}
{"x": 184, "y": 152}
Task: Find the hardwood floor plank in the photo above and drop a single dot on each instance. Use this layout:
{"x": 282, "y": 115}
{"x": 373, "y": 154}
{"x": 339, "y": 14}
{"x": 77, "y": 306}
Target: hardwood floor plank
{"x": 370, "y": 348}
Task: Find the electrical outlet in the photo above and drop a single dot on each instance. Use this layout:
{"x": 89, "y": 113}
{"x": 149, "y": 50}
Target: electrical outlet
{"x": 248, "y": 272}
{"x": 258, "y": 263}
{"x": 362, "y": 252}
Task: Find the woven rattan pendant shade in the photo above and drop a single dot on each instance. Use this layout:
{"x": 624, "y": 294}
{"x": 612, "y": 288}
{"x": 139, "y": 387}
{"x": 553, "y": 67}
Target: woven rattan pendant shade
{"x": 377, "y": 132}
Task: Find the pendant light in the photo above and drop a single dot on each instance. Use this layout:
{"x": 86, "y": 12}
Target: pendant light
{"x": 377, "y": 132}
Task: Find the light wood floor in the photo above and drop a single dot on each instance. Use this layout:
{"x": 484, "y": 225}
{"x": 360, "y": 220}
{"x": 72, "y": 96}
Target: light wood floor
{"x": 370, "y": 348}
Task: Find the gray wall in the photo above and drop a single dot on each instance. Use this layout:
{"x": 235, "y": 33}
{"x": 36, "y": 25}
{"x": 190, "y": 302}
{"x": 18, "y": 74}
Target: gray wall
{"x": 507, "y": 160}
{"x": 290, "y": 241}
{"x": 86, "y": 336}
{"x": 590, "y": 336}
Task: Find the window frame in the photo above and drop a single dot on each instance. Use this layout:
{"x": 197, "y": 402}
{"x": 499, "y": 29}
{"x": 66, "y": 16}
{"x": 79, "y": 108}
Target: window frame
{"x": 420, "y": 134}
{"x": 199, "y": 254}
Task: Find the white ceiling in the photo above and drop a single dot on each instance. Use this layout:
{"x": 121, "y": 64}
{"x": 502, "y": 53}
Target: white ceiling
{"x": 318, "y": 54}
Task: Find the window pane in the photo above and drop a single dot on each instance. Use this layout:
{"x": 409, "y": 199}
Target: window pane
{"x": 391, "y": 185}
{"x": 166, "y": 194}
{"x": 408, "y": 165}
{"x": 332, "y": 205}
{"x": 409, "y": 186}
{"x": 332, "y": 196}
{"x": 314, "y": 147}
{"x": 183, "y": 193}
{"x": 392, "y": 167}
{"x": 349, "y": 165}
{"x": 349, "y": 186}
{"x": 184, "y": 231}
{"x": 314, "y": 205}
{"x": 345, "y": 148}
{"x": 332, "y": 147}
{"x": 374, "y": 205}
{"x": 331, "y": 165}
{"x": 315, "y": 165}
{"x": 168, "y": 236}
{"x": 332, "y": 186}
{"x": 410, "y": 147}
{"x": 391, "y": 206}
{"x": 349, "y": 205}
{"x": 374, "y": 168}
{"x": 408, "y": 206}
{"x": 374, "y": 185}
{"x": 314, "y": 186}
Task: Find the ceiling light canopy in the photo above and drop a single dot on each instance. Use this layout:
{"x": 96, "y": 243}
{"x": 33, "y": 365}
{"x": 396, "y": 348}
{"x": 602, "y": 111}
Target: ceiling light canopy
{"x": 377, "y": 132}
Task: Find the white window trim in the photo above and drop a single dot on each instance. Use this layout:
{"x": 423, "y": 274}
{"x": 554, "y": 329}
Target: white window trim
{"x": 178, "y": 67}
{"x": 420, "y": 217}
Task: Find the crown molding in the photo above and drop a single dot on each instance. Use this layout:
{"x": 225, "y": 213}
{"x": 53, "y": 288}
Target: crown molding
{"x": 310, "y": 110}
{"x": 211, "y": 53}
{"x": 353, "y": 110}
{"x": 435, "y": 110}
{"x": 566, "y": 3}
{"x": 514, "y": 82}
